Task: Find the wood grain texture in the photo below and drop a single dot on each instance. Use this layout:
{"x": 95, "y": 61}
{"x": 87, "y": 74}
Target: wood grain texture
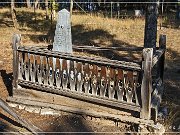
{"x": 146, "y": 87}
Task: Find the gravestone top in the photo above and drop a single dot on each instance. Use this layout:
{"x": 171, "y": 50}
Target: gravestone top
{"x": 62, "y": 39}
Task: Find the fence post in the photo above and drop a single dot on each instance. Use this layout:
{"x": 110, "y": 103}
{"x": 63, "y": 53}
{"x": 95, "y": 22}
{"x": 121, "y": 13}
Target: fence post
{"x": 162, "y": 45}
{"x": 146, "y": 87}
{"x": 15, "y": 42}
{"x": 159, "y": 87}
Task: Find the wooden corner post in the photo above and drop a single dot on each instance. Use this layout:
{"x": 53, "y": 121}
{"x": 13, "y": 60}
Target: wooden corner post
{"x": 162, "y": 45}
{"x": 146, "y": 87}
{"x": 15, "y": 42}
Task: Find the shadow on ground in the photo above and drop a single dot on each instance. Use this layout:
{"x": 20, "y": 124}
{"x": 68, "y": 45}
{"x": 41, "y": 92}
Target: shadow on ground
{"x": 78, "y": 124}
{"x": 8, "y": 125}
{"x": 170, "y": 20}
{"x": 83, "y": 37}
{"x": 172, "y": 91}
{"x": 7, "y": 79}
{"x": 69, "y": 123}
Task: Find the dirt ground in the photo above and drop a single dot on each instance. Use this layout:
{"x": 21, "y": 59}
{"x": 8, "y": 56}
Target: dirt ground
{"x": 35, "y": 31}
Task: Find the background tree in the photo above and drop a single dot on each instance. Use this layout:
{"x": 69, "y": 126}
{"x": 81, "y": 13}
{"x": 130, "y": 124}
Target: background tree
{"x": 178, "y": 10}
{"x": 46, "y": 7}
{"x": 28, "y": 3}
{"x": 36, "y": 4}
{"x": 13, "y": 14}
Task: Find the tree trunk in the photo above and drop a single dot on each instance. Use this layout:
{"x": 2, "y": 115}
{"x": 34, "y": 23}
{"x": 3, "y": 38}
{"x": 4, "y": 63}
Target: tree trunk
{"x": 46, "y": 5}
{"x": 178, "y": 10}
{"x": 151, "y": 24}
{"x": 54, "y": 11}
{"x": 13, "y": 14}
{"x": 28, "y": 3}
{"x": 36, "y": 3}
{"x": 71, "y": 8}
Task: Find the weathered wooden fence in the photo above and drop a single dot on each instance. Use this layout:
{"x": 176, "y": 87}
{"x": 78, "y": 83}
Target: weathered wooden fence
{"x": 122, "y": 84}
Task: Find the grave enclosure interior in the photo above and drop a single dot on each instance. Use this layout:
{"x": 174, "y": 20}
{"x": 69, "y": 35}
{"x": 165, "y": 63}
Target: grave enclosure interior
{"x": 126, "y": 85}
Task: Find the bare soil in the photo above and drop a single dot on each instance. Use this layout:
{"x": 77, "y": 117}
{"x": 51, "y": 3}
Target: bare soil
{"x": 35, "y": 30}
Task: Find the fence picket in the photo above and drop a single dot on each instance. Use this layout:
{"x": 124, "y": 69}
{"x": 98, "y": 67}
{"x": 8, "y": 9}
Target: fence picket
{"x": 119, "y": 85}
{"x": 135, "y": 85}
{"x": 64, "y": 73}
{"x": 111, "y": 83}
{"x": 21, "y": 63}
{"x": 103, "y": 81}
{"x": 72, "y": 78}
{"x": 79, "y": 76}
{"x": 51, "y": 71}
{"x": 58, "y": 73}
{"x": 94, "y": 79}
{"x": 86, "y": 78}
{"x": 32, "y": 67}
{"x": 39, "y": 69}
{"x": 129, "y": 86}
{"x": 26, "y": 66}
{"x": 45, "y": 70}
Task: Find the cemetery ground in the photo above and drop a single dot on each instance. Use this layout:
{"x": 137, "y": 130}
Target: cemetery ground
{"x": 90, "y": 31}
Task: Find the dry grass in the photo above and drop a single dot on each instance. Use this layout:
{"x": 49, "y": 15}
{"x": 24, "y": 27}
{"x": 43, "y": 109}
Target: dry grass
{"x": 127, "y": 30}
{"x": 95, "y": 30}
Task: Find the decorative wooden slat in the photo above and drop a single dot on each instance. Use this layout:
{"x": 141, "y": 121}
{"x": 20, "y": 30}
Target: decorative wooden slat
{"x": 125, "y": 84}
{"x": 79, "y": 77}
{"x": 103, "y": 81}
{"x": 129, "y": 86}
{"x": 21, "y": 64}
{"x": 58, "y": 73}
{"x": 32, "y": 67}
{"x": 111, "y": 83}
{"x": 39, "y": 69}
{"x": 51, "y": 71}
{"x": 72, "y": 78}
{"x": 26, "y": 66}
{"x": 94, "y": 80}
{"x": 45, "y": 70}
{"x": 135, "y": 85}
{"x": 64, "y": 73}
{"x": 119, "y": 85}
{"x": 86, "y": 76}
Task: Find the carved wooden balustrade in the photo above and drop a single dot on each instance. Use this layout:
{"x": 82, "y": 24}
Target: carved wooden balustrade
{"x": 120, "y": 84}
{"x": 104, "y": 81}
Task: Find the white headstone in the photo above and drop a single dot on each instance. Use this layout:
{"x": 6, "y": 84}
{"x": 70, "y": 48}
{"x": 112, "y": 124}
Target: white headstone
{"x": 62, "y": 38}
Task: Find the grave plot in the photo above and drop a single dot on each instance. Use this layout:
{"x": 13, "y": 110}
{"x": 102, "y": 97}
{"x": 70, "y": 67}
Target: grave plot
{"x": 63, "y": 81}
